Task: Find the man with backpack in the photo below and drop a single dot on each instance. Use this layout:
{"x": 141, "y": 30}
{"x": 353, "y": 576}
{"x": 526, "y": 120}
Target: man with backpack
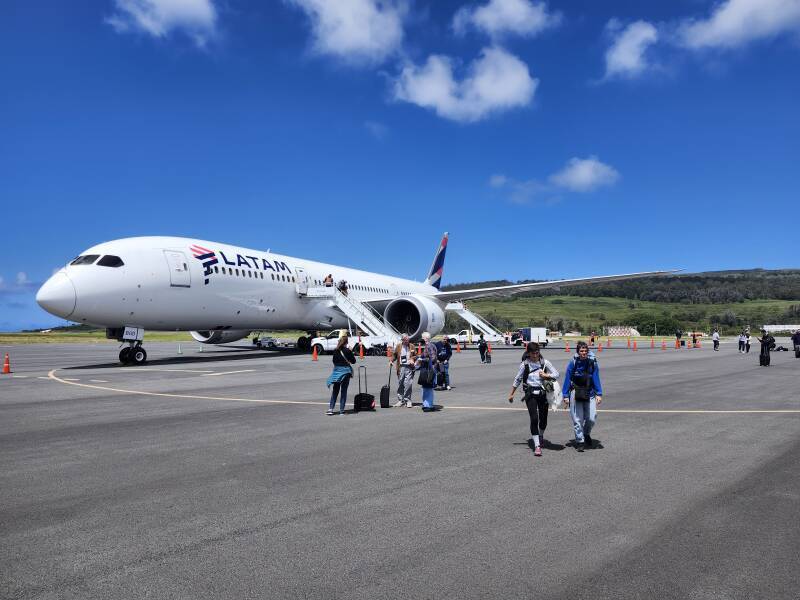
{"x": 583, "y": 378}
{"x": 444, "y": 353}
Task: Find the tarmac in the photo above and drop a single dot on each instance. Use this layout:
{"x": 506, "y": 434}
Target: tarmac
{"x": 218, "y": 474}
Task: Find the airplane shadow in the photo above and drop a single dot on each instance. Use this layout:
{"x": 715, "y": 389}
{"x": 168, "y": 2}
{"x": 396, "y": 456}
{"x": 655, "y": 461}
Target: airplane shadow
{"x": 206, "y": 357}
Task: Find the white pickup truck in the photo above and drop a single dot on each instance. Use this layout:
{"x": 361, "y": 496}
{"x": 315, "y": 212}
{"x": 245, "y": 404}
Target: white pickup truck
{"x": 465, "y": 336}
{"x": 373, "y": 345}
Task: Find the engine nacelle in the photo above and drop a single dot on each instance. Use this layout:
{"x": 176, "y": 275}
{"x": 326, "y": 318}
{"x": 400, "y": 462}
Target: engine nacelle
{"x": 219, "y": 337}
{"x": 414, "y": 315}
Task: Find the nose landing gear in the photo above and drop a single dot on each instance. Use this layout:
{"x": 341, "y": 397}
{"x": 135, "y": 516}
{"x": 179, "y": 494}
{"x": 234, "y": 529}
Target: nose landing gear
{"x": 133, "y": 354}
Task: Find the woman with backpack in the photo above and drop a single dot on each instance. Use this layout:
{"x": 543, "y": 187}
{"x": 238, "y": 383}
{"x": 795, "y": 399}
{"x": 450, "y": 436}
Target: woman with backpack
{"x": 583, "y": 377}
{"x": 426, "y": 365}
{"x": 534, "y": 371}
{"x": 343, "y": 357}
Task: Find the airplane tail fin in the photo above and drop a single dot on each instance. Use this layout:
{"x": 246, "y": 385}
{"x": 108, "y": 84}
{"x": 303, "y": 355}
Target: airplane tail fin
{"x": 437, "y": 268}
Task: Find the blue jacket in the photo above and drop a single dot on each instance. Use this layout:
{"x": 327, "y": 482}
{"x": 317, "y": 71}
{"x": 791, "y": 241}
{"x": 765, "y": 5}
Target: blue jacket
{"x": 579, "y": 367}
{"x": 443, "y": 352}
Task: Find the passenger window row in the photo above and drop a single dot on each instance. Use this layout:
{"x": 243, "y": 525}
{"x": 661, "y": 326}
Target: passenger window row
{"x": 252, "y": 274}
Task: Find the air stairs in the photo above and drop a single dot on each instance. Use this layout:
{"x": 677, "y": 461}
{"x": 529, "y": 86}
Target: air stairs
{"x": 363, "y": 316}
{"x": 473, "y": 319}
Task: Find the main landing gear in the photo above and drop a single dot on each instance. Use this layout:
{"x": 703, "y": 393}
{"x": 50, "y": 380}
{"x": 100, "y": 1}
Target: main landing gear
{"x": 134, "y": 354}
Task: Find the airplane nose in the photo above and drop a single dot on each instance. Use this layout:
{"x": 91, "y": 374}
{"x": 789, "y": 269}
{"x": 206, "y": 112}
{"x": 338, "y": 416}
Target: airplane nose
{"x": 57, "y": 296}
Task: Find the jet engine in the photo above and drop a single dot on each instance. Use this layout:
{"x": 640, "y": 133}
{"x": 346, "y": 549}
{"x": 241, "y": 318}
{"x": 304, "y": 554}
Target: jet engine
{"x": 218, "y": 336}
{"x": 414, "y": 315}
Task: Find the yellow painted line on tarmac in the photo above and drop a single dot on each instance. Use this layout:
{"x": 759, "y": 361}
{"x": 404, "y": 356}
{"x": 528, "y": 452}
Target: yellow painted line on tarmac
{"x": 52, "y": 375}
{"x": 228, "y": 372}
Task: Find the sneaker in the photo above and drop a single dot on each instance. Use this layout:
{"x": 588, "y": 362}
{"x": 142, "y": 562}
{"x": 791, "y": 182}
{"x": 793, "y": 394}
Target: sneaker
{"x": 400, "y": 403}
{"x": 341, "y": 412}
{"x": 589, "y": 441}
{"x": 579, "y": 446}
{"x": 409, "y": 404}
{"x": 330, "y": 412}
{"x": 449, "y": 388}
{"x": 537, "y": 451}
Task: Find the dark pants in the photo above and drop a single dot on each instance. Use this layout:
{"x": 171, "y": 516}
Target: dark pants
{"x": 483, "y": 354}
{"x": 716, "y": 344}
{"x": 763, "y": 358}
{"x": 339, "y": 386}
{"x": 537, "y": 410}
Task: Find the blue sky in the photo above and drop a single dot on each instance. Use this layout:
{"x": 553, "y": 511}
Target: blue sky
{"x": 551, "y": 139}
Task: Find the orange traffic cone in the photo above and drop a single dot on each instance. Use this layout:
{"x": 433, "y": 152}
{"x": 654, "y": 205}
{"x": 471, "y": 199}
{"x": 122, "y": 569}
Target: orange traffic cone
{"x": 6, "y": 365}
{"x": 458, "y": 347}
{"x": 314, "y": 354}
{"x": 677, "y": 345}
{"x": 629, "y": 342}
{"x": 697, "y": 345}
{"x": 663, "y": 344}
{"x": 634, "y": 346}
{"x": 566, "y": 346}
{"x": 360, "y": 349}
{"x": 489, "y": 347}
{"x": 600, "y": 347}
{"x": 652, "y": 343}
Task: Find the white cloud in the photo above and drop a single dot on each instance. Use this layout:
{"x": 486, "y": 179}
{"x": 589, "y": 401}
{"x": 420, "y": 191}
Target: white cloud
{"x": 497, "y": 81}
{"x": 499, "y": 17}
{"x": 362, "y": 31}
{"x": 197, "y": 18}
{"x": 498, "y": 181}
{"x": 378, "y": 130}
{"x": 1, "y": 281}
{"x": 22, "y": 278}
{"x": 584, "y": 175}
{"x": 735, "y": 23}
{"x": 626, "y": 56}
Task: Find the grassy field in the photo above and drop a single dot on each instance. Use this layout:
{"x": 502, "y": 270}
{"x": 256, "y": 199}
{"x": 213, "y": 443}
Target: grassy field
{"x": 590, "y": 313}
{"x": 99, "y": 337}
{"x": 593, "y": 313}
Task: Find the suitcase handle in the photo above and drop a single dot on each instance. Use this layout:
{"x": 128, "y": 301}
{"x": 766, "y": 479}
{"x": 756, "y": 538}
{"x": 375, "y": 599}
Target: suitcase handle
{"x": 390, "y": 374}
{"x": 366, "y": 390}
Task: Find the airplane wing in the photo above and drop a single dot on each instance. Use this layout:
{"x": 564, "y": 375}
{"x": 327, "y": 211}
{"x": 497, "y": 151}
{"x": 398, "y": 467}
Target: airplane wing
{"x": 510, "y": 290}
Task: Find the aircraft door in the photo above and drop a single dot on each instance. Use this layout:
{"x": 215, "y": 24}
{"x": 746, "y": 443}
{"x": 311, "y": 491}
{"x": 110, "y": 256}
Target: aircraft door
{"x": 302, "y": 281}
{"x": 179, "y": 275}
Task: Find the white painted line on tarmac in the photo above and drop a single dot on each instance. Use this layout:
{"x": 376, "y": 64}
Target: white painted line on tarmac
{"x": 228, "y": 373}
{"x": 98, "y": 381}
{"x": 137, "y": 369}
{"x": 19, "y": 376}
{"x": 71, "y": 379}
{"x": 52, "y": 375}
{"x": 45, "y": 378}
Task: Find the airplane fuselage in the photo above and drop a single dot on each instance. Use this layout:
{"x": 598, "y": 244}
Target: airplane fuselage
{"x": 173, "y": 283}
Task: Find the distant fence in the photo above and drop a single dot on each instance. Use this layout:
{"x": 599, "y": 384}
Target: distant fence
{"x": 623, "y": 331}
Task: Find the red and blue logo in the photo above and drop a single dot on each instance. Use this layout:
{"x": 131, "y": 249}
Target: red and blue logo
{"x": 207, "y": 257}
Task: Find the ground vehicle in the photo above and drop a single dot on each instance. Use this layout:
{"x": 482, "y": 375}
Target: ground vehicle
{"x": 465, "y": 336}
{"x": 532, "y": 334}
{"x": 265, "y": 342}
{"x": 372, "y": 344}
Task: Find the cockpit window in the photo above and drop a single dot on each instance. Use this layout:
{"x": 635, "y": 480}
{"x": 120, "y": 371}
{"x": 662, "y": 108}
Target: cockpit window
{"x": 110, "y": 261}
{"x": 85, "y": 260}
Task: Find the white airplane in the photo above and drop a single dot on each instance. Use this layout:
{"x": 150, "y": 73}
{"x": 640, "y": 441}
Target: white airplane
{"x": 220, "y": 293}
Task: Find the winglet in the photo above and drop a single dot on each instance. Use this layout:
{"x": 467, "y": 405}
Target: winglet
{"x": 437, "y": 268}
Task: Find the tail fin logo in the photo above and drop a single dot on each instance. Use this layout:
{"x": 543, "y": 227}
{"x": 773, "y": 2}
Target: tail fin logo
{"x": 437, "y": 268}
{"x": 207, "y": 257}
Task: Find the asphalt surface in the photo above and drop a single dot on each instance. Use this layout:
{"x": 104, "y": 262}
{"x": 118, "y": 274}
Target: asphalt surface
{"x": 218, "y": 474}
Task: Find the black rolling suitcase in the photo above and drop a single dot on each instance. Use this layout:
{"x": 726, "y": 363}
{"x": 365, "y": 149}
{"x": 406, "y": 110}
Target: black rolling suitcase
{"x": 363, "y": 400}
{"x": 385, "y": 390}
{"x": 488, "y": 358}
{"x": 797, "y": 351}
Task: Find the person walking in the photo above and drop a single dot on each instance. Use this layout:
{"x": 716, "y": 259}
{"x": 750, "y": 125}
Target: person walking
{"x": 482, "y": 347}
{"x": 328, "y": 281}
{"x": 796, "y": 343}
{"x": 444, "y": 353}
{"x": 403, "y": 360}
{"x": 583, "y": 378}
{"x": 427, "y": 361}
{"x": 747, "y": 341}
{"x": 767, "y": 343}
{"x": 342, "y": 373}
{"x": 533, "y": 370}
{"x": 742, "y": 341}
{"x": 715, "y": 339}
